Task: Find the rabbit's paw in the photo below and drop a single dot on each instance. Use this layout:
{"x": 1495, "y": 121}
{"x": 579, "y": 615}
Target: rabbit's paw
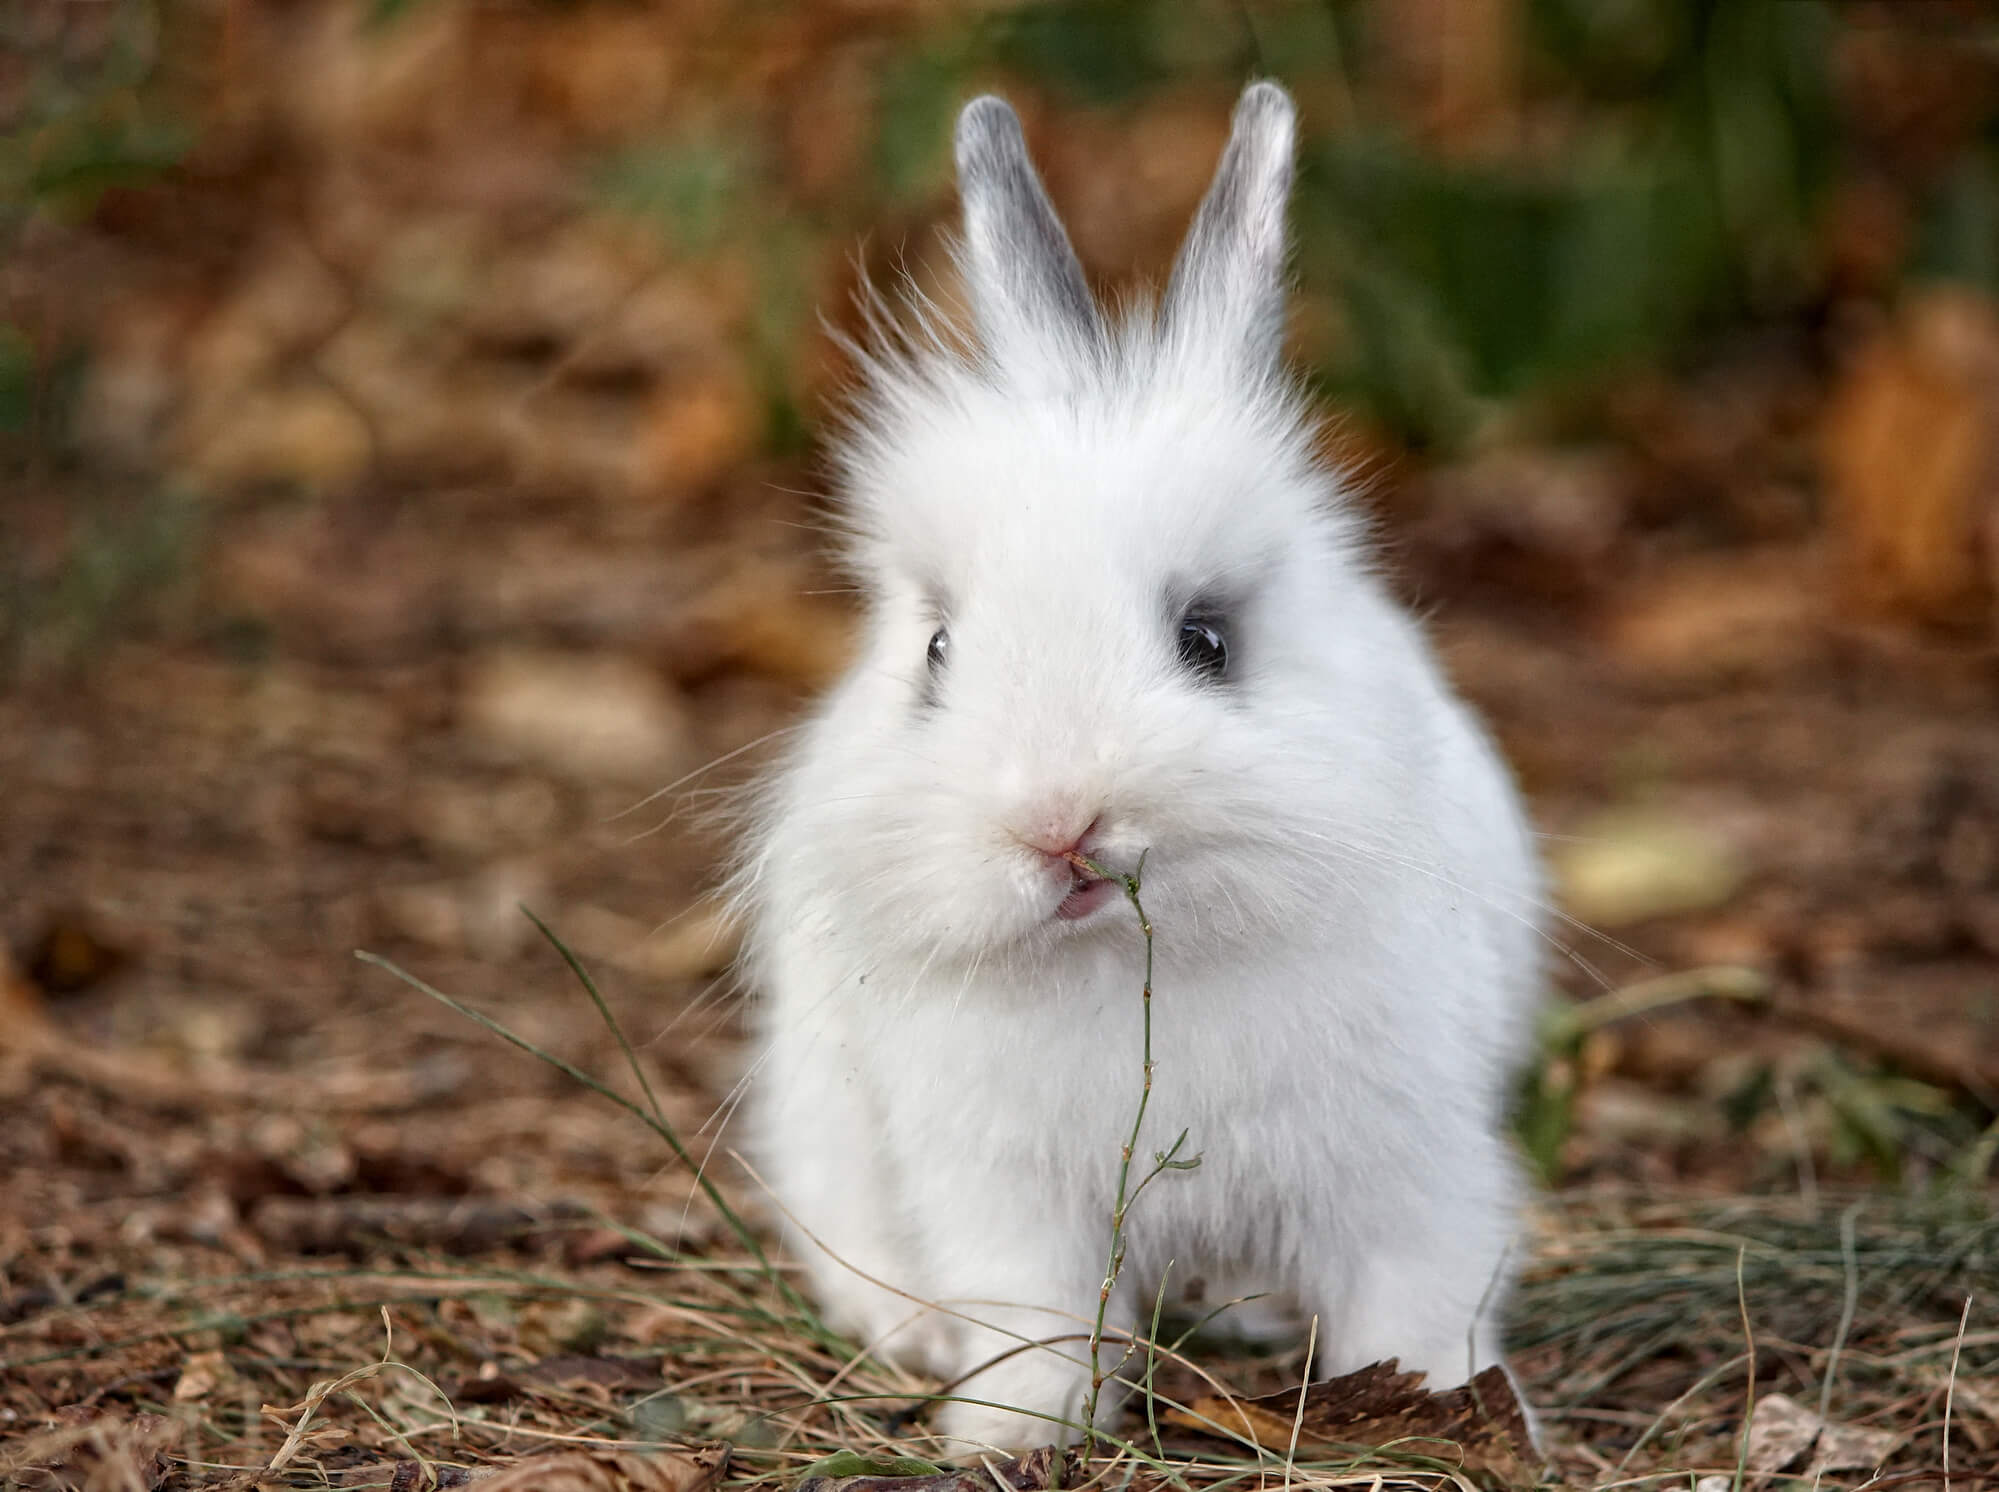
{"x": 1020, "y": 1405}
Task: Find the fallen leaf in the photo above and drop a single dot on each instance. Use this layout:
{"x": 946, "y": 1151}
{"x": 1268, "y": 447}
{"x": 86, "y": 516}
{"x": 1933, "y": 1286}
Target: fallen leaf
{"x": 1706, "y": 622}
{"x": 1632, "y": 865}
{"x": 1381, "y": 1405}
{"x": 613, "y": 1471}
{"x": 199, "y": 1376}
{"x": 594, "y": 715}
{"x": 71, "y": 954}
{"x": 1781, "y": 1430}
{"x": 695, "y": 432}
{"x": 24, "y": 1018}
{"x": 305, "y": 437}
{"x": 1853, "y": 1448}
{"x": 1910, "y": 460}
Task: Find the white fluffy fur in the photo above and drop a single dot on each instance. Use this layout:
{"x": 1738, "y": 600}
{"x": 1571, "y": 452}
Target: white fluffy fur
{"x": 1336, "y": 863}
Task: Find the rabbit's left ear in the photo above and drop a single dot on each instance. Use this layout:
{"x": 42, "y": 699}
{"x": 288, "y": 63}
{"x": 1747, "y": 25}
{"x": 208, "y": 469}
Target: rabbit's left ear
{"x": 1026, "y": 285}
{"x": 1227, "y": 290}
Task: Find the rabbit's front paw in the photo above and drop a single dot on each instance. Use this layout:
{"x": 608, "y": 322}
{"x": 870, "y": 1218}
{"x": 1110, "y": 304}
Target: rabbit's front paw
{"x": 1019, "y": 1405}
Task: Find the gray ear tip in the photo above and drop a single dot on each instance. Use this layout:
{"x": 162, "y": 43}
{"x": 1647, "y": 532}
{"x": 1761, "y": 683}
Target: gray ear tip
{"x": 1266, "y": 110}
{"x": 988, "y": 131}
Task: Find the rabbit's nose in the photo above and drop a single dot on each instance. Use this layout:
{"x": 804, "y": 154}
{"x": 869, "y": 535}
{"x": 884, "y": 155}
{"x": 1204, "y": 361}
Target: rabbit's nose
{"x": 1059, "y": 834}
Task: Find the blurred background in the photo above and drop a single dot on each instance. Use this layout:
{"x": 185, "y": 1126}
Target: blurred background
{"x": 409, "y": 421}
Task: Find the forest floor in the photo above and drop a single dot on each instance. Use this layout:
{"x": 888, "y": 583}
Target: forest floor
{"x": 238, "y": 1162}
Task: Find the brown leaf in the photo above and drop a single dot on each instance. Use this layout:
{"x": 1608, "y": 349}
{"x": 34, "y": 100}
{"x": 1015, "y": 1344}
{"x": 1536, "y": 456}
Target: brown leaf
{"x": 1382, "y": 1405}
{"x": 595, "y": 715}
{"x": 200, "y": 1376}
{"x": 24, "y": 1018}
{"x": 613, "y": 1471}
{"x": 71, "y": 954}
{"x": 1912, "y": 461}
{"x": 1754, "y": 613}
{"x": 1853, "y": 1448}
{"x": 1782, "y": 1431}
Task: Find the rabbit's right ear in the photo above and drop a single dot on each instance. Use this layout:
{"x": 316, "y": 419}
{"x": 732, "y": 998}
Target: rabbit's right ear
{"x": 1227, "y": 291}
{"x": 1027, "y": 288}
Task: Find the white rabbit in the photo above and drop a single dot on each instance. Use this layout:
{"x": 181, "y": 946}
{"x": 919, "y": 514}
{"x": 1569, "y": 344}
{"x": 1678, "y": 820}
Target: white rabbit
{"x": 1117, "y": 607}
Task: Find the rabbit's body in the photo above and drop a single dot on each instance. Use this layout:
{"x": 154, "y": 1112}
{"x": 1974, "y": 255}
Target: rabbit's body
{"x": 1118, "y": 611}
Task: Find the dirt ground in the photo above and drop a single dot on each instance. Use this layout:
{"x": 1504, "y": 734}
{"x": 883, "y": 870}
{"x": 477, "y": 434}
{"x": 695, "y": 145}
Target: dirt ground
{"x": 219, "y": 1121}
{"x": 427, "y": 538}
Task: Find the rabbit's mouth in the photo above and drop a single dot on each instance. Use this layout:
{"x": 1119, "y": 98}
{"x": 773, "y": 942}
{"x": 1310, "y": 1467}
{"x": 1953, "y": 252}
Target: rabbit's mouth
{"x": 1086, "y": 894}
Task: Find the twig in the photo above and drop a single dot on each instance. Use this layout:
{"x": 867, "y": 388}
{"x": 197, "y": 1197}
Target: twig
{"x": 1749, "y": 1402}
{"x": 1950, "y": 1389}
{"x": 1298, "y": 1417}
{"x": 1846, "y": 1254}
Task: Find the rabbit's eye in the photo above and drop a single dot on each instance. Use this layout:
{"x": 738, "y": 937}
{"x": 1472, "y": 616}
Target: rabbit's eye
{"x": 940, "y": 649}
{"x": 1203, "y": 648}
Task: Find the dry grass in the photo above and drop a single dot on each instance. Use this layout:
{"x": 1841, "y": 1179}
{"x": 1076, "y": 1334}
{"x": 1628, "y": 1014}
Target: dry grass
{"x": 1644, "y": 1328}
{"x": 1629, "y": 1326}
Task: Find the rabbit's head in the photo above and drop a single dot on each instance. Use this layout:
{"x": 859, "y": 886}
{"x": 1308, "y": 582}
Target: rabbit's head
{"x": 1115, "y": 604}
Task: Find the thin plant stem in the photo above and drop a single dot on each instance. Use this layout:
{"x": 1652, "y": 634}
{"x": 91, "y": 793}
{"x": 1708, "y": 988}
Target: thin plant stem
{"x": 1950, "y": 1389}
{"x": 1846, "y": 1309}
{"x": 1114, "y": 1264}
{"x": 604, "y": 1011}
{"x": 1749, "y": 1404}
{"x": 658, "y": 1125}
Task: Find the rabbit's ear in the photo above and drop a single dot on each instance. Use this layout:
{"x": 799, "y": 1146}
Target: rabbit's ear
{"x": 1025, "y": 283}
{"x": 1227, "y": 290}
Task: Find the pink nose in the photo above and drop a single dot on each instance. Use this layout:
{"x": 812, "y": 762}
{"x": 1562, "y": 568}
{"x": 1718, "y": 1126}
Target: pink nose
{"x": 1059, "y": 838}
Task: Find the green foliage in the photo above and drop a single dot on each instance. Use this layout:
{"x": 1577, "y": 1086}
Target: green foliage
{"x": 120, "y": 559}
{"x": 1686, "y": 196}
{"x": 73, "y": 161}
{"x": 1095, "y": 51}
{"x": 1855, "y": 1117}
{"x": 86, "y": 118}
{"x": 918, "y": 96}
{"x": 1958, "y": 236}
{"x": 17, "y": 380}
{"x": 694, "y": 190}
{"x": 1665, "y": 179}
{"x": 853, "y": 1463}
{"x": 1544, "y": 1109}
{"x": 708, "y": 196}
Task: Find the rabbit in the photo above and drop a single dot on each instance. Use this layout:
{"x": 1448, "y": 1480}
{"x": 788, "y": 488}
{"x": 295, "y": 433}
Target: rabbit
{"x": 1119, "y": 613}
